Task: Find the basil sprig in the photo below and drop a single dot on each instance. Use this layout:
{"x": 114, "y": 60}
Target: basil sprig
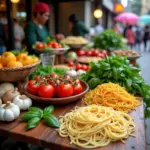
{"x": 35, "y": 115}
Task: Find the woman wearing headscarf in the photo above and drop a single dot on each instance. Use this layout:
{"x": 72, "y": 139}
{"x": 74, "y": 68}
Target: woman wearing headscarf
{"x": 35, "y": 31}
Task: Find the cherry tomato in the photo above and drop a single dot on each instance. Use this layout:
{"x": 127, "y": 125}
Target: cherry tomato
{"x": 38, "y": 77}
{"x": 88, "y": 68}
{"x": 67, "y": 77}
{"x": 54, "y": 75}
{"x": 104, "y": 52}
{"x": 78, "y": 66}
{"x": 81, "y": 53}
{"x": 77, "y": 89}
{"x": 76, "y": 81}
{"x": 64, "y": 90}
{"x": 46, "y": 91}
{"x": 89, "y": 53}
{"x": 49, "y": 45}
{"x": 40, "y": 46}
{"x": 70, "y": 64}
{"x": 95, "y": 52}
{"x": 101, "y": 55}
{"x": 84, "y": 67}
{"x": 32, "y": 87}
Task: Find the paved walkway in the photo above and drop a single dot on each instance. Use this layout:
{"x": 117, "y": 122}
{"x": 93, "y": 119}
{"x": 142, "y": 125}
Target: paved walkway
{"x": 144, "y": 62}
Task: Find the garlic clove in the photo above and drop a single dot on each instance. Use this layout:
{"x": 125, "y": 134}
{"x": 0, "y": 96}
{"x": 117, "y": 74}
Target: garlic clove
{"x": 8, "y": 115}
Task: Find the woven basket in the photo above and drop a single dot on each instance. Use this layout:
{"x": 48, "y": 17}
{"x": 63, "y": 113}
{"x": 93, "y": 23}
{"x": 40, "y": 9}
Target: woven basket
{"x": 17, "y": 74}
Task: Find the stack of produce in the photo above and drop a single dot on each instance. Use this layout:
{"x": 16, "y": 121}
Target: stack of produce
{"x": 111, "y": 95}
{"x": 117, "y": 69}
{"x": 95, "y": 126}
{"x": 10, "y": 60}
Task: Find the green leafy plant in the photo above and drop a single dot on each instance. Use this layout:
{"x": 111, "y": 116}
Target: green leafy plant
{"x": 35, "y": 115}
{"x": 43, "y": 71}
{"x": 108, "y": 40}
{"x": 118, "y": 69}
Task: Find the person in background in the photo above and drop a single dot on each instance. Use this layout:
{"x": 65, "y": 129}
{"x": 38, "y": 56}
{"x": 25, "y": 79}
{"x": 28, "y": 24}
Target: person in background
{"x": 77, "y": 27}
{"x": 2, "y": 39}
{"x": 116, "y": 28}
{"x": 18, "y": 34}
{"x": 131, "y": 36}
{"x": 98, "y": 28}
{"x": 146, "y": 36}
{"x": 35, "y": 30}
{"x": 138, "y": 37}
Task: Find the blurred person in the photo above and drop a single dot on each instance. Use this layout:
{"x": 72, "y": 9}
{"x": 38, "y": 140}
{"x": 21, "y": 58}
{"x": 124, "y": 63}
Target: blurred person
{"x": 77, "y": 27}
{"x": 2, "y": 39}
{"x": 98, "y": 28}
{"x": 146, "y": 36}
{"x": 131, "y": 36}
{"x": 138, "y": 32}
{"x": 35, "y": 30}
{"x": 116, "y": 28}
{"x": 19, "y": 34}
{"x": 125, "y": 29}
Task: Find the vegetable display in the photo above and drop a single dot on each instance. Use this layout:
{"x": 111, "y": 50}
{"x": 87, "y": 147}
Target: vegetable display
{"x": 43, "y": 71}
{"x": 95, "y": 126}
{"x": 35, "y": 115}
{"x": 108, "y": 40}
{"x": 54, "y": 86}
{"x": 117, "y": 69}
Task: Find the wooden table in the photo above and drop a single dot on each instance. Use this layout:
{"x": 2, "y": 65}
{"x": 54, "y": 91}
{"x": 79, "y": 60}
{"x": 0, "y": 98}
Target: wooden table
{"x": 48, "y": 137}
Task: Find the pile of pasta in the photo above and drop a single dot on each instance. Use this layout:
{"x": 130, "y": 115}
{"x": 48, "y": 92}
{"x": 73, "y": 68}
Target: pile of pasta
{"x": 111, "y": 95}
{"x": 95, "y": 126}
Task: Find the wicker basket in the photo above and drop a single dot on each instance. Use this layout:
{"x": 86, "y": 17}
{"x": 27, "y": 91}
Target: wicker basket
{"x": 17, "y": 74}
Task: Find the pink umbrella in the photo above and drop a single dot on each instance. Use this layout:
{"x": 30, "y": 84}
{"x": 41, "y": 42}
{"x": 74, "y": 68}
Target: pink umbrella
{"x": 127, "y": 17}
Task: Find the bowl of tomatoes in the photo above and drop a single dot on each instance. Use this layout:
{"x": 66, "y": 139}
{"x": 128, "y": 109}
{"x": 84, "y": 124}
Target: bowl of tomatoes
{"x": 15, "y": 68}
{"x": 55, "y": 89}
{"x": 51, "y": 47}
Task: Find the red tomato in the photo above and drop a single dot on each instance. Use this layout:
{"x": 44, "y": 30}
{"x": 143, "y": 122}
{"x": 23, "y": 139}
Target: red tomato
{"x": 32, "y": 87}
{"x": 95, "y": 52}
{"x": 77, "y": 89}
{"x": 101, "y": 55}
{"x": 70, "y": 64}
{"x": 46, "y": 91}
{"x": 67, "y": 77}
{"x": 76, "y": 81}
{"x": 64, "y": 90}
{"x": 78, "y": 66}
{"x": 84, "y": 67}
{"x": 54, "y": 75}
{"x": 81, "y": 53}
{"x": 38, "y": 77}
{"x": 104, "y": 52}
{"x": 88, "y": 68}
{"x": 40, "y": 46}
{"x": 55, "y": 45}
{"x": 49, "y": 45}
{"x": 89, "y": 53}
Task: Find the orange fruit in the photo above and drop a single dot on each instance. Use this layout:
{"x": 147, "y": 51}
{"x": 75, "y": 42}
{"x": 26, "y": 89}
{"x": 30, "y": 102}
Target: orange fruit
{"x": 34, "y": 59}
{"x": 1, "y": 66}
{"x": 26, "y": 60}
{"x": 7, "y": 57}
{"x": 14, "y": 64}
{"x": 21, "y": 55}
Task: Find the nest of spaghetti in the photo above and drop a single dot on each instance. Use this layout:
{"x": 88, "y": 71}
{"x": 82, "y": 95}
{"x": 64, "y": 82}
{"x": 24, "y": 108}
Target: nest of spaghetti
{"x": 96, "y": 126}
{"x": 112, "y": 95}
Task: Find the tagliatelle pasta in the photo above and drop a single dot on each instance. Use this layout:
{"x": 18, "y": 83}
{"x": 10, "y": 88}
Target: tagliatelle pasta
{"x": 111, "y": 95}
{"x": 95, "y": 126}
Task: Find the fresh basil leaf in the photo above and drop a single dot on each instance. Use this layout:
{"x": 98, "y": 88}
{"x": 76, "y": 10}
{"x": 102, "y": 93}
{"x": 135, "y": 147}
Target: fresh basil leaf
{"x": 48, "y": 110}
{"x": 29, "y": 115}
{"x": 36, "y": 109}
{"x": 93, "y": 82}
{"x": 51, "y": 121}
{"x": 32, "y": 123}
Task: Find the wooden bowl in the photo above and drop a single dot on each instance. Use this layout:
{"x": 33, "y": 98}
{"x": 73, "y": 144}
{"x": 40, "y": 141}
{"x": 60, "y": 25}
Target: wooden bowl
{"x": 64, "y": 100}
{"x": 17, "y": 74}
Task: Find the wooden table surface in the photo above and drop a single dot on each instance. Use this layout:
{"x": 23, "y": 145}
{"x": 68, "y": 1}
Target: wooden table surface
{"x": 48, "y": 137}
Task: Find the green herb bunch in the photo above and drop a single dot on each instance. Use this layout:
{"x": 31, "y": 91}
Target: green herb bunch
{"x": 108, "y": 40}
{"x": 118, "y": 69}
{"x": 35, "y": 115}
{"x": 43, "y": 71}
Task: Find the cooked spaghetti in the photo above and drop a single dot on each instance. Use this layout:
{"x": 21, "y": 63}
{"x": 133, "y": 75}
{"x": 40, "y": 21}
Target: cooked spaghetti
{"x": 111, "y": 95}
{"x": 95, "y": 126}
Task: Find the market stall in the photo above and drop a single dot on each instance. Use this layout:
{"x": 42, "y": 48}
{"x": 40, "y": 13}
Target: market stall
{"x": 95, "y": 100}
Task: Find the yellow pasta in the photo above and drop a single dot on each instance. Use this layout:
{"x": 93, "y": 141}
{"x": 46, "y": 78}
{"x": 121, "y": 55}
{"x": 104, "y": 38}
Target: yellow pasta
{"x": 111, "y": 95}
{"x": 95, "y": 126}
